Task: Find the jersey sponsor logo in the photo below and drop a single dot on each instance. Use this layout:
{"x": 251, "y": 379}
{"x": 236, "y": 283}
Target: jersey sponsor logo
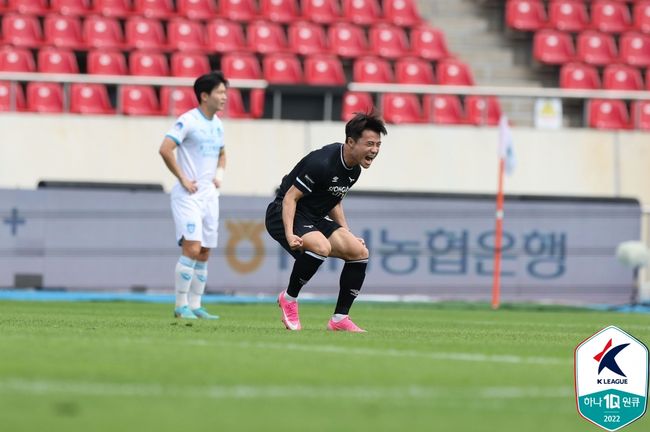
{"x": 308, "y": 226}
{"x": 339, "y": 191}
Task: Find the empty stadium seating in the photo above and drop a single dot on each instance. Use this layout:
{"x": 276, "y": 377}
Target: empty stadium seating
{"x": 12, "y": 97}
{"x": 568, "y": 15}
{"x": 106, "y": 62}
{"x": 579, "y": 76}
{"x": 282, "y": 68}
{"x": 55, "y": 60}
{"x": 355, "y": 102}
{"x": 608, "y": 114}
{"x": 525, "y": 15}
{"x": 225, "y": 36}
{"x": 139, "y": 100}
{"x": 443, "y": 109}
{"x": 401, "y": 108}
{"x": 189, "y": 64}
{"x": 413, "y": 70}
{"x": 175, "y": 101}
{"x": 46, "y": 97}
{"x": 90, "y": 99}
{"x": 307, "y": 38}
{"x": 370, "y": 69}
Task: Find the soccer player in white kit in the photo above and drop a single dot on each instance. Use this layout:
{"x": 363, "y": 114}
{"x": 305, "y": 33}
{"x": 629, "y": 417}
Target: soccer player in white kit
{"x": 197, "y": 137}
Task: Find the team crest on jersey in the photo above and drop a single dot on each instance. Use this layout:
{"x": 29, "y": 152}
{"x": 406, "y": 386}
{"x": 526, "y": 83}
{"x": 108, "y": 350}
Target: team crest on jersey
{"x": 335, "y": 179}
{"x": 190, "y": 228}
{"x": 178, "y": 125}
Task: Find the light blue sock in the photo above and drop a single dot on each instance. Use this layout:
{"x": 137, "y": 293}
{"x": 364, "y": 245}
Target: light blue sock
{"x": 183, "y": 278}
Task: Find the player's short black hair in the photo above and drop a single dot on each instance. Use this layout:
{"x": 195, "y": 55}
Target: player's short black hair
{"x": 364, "y": 121}
{"x": 207, "y": 82}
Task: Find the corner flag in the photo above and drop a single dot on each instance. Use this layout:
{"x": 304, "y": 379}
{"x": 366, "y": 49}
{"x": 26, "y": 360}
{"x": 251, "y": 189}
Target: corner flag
{"x": 506, "y": 148}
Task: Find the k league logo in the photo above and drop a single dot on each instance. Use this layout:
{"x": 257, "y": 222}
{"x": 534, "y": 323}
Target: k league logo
{"x": 611, "y": 377}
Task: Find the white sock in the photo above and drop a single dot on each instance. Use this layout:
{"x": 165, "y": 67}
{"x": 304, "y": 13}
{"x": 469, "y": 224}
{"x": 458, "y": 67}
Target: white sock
{"x": 338, "y": 317}
{"x": 288, "y": 298}
{"x": 197, "y": 287}
{"x": 183, "y": 278}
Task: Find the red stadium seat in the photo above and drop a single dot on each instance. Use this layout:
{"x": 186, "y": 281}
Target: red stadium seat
{"x": 356, "y": 102}
{"x": 401, "y": 108}
{"x": 266, "y": 37}
{"x": 429, "y": 43}
{"x": 307, "y": 38}
{"x": 139, "y": 100}
{"x": 11, "y": 97}
{"x": 238, "y": 10}
{"x": 21, "y": 30}
{"x": 347, "y": 40}
{"x": 189, "y": 64}
{"x": 106, "y": 62}
{"x": 55, "y": 60}
{"x": 185, "y": 34}
{"x": 103, "y": 32}
{"x": 622, "y": 77}
{"x": 610, "y": 16}
{"x": 553, "y": 47}
{"x": 370, "y": 69}
{"x": 608, "y": 114}
{"x": 144, "y": 63}
{"x": 321, "y": 11}
{"x": 235, "y": 107}
{"x": 28, "y": 7}
{"x": 70, "y": 7}
{"x": 63, "y": 31}
{"x": 443, "y": 109}
{"x": 241, "y": 65}
{"x": 635, "y": 49}
{"x": 16, "y": 59}
{"x": 568, "y": 15}
{"x": 482, "y": 110}
{"x": 196, "y": 9}
{"x": 641, "y": 115}
{"x": 225, "y": 36}
{"x": 112, "y": 8}
{"x": 525, "y": 15}
{"x": 44, "y": 97}
{"x": 282, "y": 68}
{"x": 579, "y": 76}
{"x": 402, "y": 12}
{"x": 454, "y": 72}
{"x": 388, "y": 41}
{"x": 153, "y": 8}
{"x": 90, "y": 99}
{"x": 282, "y": 11}
{"x": 412, "y": 70}
{"x": 642, "y": 16}
{"x": 596, "y": 48}
{"x": 144, "y": 33}
{"x": 323, "y": 69}
{"x": 175, "y": 101}
{"x": 361, "y": 12}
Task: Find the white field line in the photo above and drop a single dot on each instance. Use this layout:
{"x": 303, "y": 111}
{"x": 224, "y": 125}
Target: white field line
{"x": 146, "y": 390}
{"x": 430, "y": 355}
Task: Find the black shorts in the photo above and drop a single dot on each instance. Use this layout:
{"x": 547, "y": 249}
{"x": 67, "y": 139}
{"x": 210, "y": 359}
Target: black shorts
{"x": 302, "y": 224}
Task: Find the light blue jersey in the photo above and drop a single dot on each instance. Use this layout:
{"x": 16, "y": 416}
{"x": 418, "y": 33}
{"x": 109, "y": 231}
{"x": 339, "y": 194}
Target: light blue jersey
{"x": 199, "y": 141}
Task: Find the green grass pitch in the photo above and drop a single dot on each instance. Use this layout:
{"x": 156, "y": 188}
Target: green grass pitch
{"x": 452, "y": 367}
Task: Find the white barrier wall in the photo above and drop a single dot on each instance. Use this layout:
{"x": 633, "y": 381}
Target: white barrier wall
{"x": 260, "y": 152}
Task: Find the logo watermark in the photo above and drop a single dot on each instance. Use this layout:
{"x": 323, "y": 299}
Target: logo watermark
{"x": 611, "y": 378}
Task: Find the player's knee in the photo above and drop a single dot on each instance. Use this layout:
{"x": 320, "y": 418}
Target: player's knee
{"x": 321, "y": 248}
{"x": 192, "y": 251}
{"x": 359, "y": 252}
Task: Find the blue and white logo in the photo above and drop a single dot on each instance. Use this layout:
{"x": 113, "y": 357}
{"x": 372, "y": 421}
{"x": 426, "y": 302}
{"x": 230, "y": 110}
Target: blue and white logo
{"x": 191, "y": 227}
{"x": 611, "y": 373}
{"x": 178, "y": 125}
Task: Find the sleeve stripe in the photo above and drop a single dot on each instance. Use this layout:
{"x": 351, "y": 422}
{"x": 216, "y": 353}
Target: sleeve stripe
{"x": 303, "y": 185}
{"x": 173, "y": 138}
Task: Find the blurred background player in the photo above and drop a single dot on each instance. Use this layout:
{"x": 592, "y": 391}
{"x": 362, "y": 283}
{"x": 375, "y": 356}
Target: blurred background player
{"x": 199, "y": 166}
{"x": 307, "y": 218}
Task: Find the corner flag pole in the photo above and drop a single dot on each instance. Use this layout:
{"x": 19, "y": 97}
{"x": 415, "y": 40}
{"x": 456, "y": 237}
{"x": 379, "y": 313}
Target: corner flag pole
{"x": 496, "y": 279}
{"x": 506, "y": 164}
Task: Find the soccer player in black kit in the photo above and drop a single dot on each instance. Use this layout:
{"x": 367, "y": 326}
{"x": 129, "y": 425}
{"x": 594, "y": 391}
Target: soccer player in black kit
{"x": 307, "y": 218}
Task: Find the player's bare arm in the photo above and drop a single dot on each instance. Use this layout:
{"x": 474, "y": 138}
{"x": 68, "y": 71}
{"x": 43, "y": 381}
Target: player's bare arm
{"x": 289, "y": 203}
{"x": 167, "y": 152}
{"x": 221, "y": 168}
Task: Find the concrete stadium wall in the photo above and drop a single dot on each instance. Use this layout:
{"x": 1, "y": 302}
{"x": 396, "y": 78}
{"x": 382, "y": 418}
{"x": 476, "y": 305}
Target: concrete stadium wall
{"x": 413, "y": 157}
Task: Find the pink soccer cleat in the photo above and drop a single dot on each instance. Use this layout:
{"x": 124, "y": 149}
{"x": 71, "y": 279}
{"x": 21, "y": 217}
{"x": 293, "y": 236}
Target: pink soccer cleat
{"x": 290, "y": 317}
{"x": 345, "y": 324}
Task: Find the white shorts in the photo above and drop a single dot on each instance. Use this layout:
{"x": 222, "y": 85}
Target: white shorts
{"x": 196, "y": 216}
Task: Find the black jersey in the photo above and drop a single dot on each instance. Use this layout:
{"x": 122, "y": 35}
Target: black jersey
{"x": 323, "y": 178}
